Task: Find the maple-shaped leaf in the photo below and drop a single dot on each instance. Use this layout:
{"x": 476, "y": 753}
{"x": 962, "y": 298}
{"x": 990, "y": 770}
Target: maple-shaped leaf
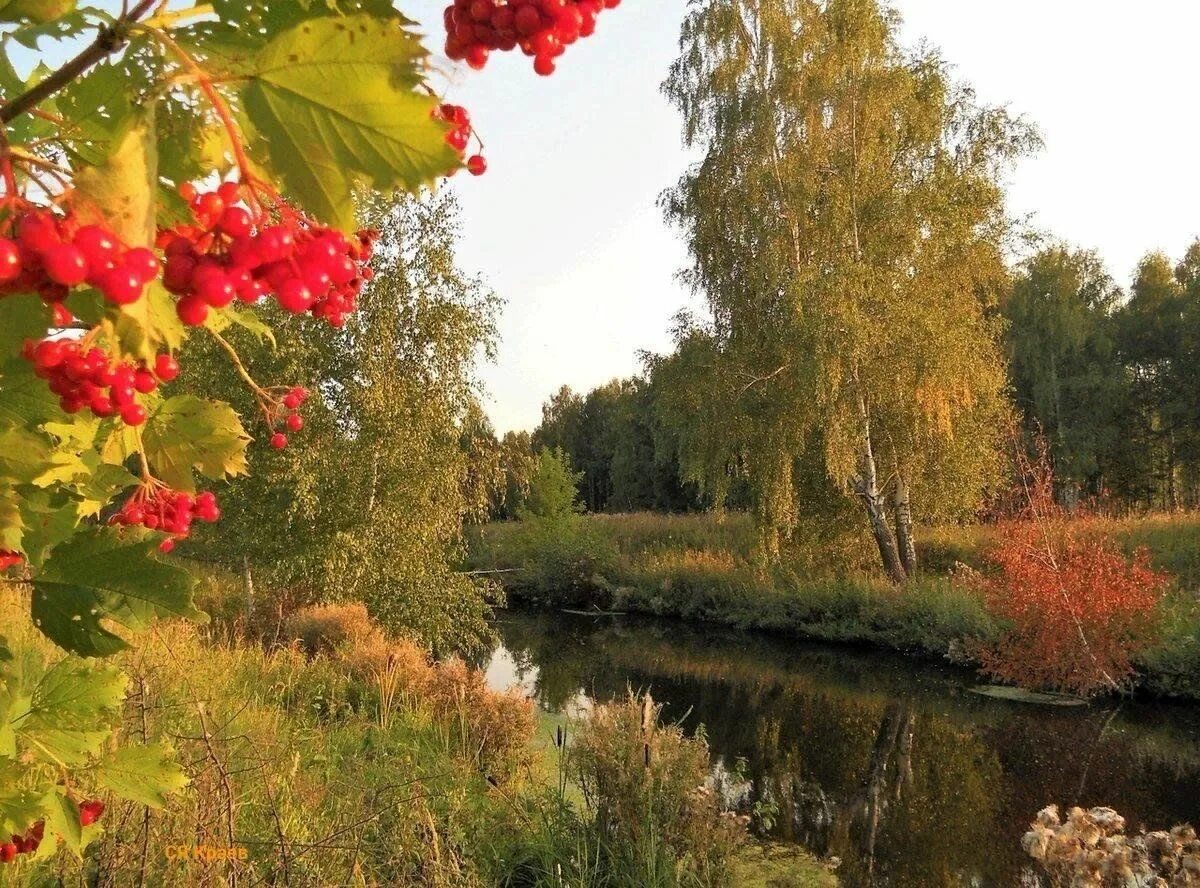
{"x": 184, "y": 434}
{"x": 102, "y": 573}
{"x": 142, "y": 774}
{"x": 337, "y": 102}
{"x": 64, "y": 715}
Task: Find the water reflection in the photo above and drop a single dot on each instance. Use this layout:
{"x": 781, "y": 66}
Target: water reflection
{"x": 892, "y": 766}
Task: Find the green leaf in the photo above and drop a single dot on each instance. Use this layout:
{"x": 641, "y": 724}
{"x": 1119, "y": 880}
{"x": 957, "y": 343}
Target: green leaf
{"x": 186, "y": 434}
{"x": 221, "y": 321}
{"x": 26, "y": 402}
{"x": 120, "y": 190}
{"x": 269, "y": 17}
{"x": 62, "y": 820}
{"x": 21, "y": 318}
{"x": 40, "y": 11}
{"x": 49, "y": 518}
{"x": 67, "y": 716}
{"x": 103, "y": 573}
{"x": 12, "y": 525}
{"x": 336, "y": 101}
{"x": 99, "y": 488}
{"x": 99, "y": 111}
{"x": 150, "y": 325}
{"x": 142, "y": 774}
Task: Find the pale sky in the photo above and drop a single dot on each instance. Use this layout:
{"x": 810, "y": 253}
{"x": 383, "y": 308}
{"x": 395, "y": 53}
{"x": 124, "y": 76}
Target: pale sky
{"x": 565, "y": 225}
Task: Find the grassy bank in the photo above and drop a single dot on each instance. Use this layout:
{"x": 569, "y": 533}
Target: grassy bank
{"x": 334, "y": 754}
{"x": 705, "y": 568}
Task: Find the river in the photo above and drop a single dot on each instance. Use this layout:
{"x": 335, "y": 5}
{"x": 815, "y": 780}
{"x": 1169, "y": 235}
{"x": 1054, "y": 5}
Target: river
{"x": 891, "y": 765}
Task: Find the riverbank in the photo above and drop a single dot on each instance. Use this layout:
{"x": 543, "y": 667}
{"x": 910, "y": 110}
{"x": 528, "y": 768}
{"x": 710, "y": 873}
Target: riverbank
{"x": 331, "y": 753}
{"x": 701, "y": 568}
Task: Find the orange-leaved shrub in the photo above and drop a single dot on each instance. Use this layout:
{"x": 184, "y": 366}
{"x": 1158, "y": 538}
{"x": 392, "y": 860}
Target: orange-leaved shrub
{"x": 1077, "y": 610}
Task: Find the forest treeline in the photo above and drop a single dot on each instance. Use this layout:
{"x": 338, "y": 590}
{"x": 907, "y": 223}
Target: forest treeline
{"x": 1108, "y": 375}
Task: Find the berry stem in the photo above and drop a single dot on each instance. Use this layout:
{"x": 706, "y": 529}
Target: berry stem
{"x": 219, "y": 105}
{"x": 260, "y": 394}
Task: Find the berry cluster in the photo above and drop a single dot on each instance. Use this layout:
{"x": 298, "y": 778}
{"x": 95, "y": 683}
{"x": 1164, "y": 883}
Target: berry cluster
{"x": 49, "y": 255}
{"x": 286, "y": 410}
{"x": 459, "y": 135}
{"x": 10, "y": 559}
{"x": 86, "y": 378}
{"x": 27, "y": 843}
{"x": 157, "y": 507}
{"x": 233, "y": 252}
{"x": 543, "y": 29}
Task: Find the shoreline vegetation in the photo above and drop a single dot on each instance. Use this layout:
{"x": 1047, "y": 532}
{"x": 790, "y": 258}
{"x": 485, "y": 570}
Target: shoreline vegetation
{"x": 400, "y": 770}
{"x": 702, "y": 568}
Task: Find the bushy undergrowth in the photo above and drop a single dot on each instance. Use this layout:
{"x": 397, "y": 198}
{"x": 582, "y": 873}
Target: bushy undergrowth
{"x": 705, "y": 568}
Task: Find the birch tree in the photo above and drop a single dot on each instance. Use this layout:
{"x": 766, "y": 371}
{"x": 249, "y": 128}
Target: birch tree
{"x": 846, "y": 225}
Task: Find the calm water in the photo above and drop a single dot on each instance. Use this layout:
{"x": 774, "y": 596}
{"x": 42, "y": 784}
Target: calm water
{"x": 892, "y": 766}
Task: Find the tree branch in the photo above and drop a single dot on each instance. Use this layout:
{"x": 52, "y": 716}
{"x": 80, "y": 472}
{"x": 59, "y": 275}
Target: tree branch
{"x": 110, "y": 39}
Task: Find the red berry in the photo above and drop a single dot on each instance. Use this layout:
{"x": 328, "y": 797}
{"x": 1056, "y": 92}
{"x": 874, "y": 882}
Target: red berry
{"x": 10, "y": 260}
{"x": 166, "y": 367}
{"x": 8, "y": 852}
{"x": 122, "y": 286}
{"x": 295, "y": 422}
{"x": 133, "y": 414}
{"x": 167, "y": 546}
{"x": 279, "y": 441}
{"x": 295, "y": 297}
{"x": 193, "y": 310}
{"x": 66, "y": 265}
{"x": 143, "y": 263}
{"x": 236, "y": 222}
{"x": 62, "y": 316}
{"x": 477, "y": 165}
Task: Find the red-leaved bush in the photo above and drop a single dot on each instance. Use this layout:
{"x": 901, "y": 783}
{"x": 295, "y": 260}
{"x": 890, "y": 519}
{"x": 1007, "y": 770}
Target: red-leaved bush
{"x": 1077, "y": 609}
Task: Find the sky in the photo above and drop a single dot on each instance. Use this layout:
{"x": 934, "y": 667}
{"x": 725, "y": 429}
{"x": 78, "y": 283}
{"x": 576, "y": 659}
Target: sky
{"x": 565, "y": 226}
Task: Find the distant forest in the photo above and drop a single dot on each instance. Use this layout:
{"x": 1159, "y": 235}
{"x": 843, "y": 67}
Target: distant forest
{"x": 1109, "y": 377}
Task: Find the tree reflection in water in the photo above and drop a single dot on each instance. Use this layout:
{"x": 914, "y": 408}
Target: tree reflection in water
{"x": 892, "y": 766}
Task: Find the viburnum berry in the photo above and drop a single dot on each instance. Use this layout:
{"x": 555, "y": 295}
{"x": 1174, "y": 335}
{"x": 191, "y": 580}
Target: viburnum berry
{"x": 250, "y": 252}
{"x": 543, "y": 29}
{"x": 279, "y": 441}
{"x": 90, "y": 812}
{"x": 26, "y": 843}
{"x": 458, "y": 136}
{"x": 44, "y": 253}
{"x": 155, "y": 506}
{"x": 86, "y": 378}
{"x": 10, "y": 559}
{"x": 166, "y": 368}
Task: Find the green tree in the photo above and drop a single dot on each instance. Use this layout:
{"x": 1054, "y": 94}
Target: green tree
{"x": 1157, "y": 336}
{"x": 846, "y": 224}
{"x": 518, "y": 464}
{"x": 1067, "y": 375}
{"x": 553, "y": 490}
{"x": 398, "y": 388}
